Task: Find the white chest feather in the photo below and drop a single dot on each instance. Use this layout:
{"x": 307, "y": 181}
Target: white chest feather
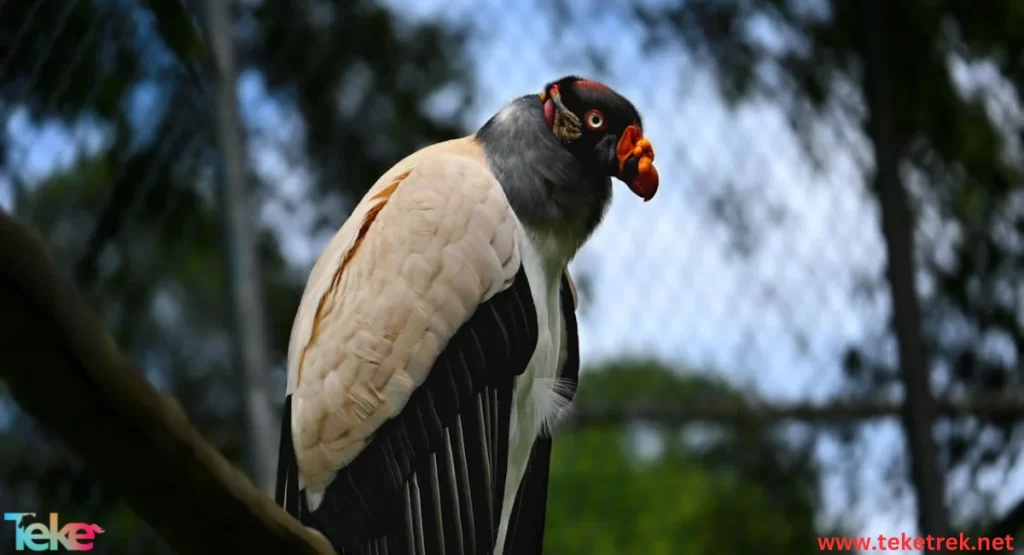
{"x": 540, "y": 397}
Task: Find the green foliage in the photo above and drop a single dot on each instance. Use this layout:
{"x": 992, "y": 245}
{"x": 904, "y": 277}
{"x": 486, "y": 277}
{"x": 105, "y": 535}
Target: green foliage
{"x": 712, "y": 498}
{"x": 174, "y": 23}
{"x": 650, "y": 381}
{"x": 57, "y": 65}
{"x": 384, "y": 67}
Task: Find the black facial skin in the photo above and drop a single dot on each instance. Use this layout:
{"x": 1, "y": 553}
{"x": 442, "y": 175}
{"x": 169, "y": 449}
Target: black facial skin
{"x": 596, "y": 148}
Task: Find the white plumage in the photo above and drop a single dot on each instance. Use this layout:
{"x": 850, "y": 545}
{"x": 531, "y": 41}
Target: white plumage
{"x": 540, "y": 397}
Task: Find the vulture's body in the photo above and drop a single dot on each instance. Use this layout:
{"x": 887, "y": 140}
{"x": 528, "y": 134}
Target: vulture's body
{"x": 435, "y": 346}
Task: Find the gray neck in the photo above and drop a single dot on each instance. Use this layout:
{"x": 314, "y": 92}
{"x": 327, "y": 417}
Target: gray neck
{"x": 546, "y": 185}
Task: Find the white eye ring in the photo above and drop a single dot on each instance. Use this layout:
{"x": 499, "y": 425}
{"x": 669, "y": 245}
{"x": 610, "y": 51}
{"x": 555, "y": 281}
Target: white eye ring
{"x": 594, "y": 119}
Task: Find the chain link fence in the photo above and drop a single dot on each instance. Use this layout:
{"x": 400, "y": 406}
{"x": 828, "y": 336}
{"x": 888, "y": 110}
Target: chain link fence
{"x": 755, "y": 264}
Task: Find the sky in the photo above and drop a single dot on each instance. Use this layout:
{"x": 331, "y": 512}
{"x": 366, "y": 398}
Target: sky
{"x": 669, "y": 279}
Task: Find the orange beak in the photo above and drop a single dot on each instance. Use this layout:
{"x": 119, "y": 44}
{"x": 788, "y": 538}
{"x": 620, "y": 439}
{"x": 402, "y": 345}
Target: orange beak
{"x": 636, "y": 163}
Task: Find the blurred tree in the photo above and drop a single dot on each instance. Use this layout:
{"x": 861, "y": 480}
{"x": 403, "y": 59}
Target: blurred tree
{"x": 652, "y": 489}
{"x": 957, "y": 145}
{"x": 131, "y": 212}
{"x": 178, "y": 32}
{"x": 361, "y": 79}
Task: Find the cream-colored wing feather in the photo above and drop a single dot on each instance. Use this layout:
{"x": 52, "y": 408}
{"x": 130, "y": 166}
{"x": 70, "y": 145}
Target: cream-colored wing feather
{"x": 433, "y": 239}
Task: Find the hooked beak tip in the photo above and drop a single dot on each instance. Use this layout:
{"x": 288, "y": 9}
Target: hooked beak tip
{"x": 636, "y": 163}
{"x": 645, "y": 184}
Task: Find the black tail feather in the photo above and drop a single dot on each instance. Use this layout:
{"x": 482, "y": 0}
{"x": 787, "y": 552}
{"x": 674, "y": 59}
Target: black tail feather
{"x": 526, "y": 526}
{"x": 287, "y": 488}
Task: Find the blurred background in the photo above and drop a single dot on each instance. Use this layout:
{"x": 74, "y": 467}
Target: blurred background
{"x": 815, "y": 328}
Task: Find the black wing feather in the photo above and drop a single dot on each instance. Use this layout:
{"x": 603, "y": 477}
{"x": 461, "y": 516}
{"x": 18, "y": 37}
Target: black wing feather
{"x": 526, "y": 527}
{"x": 432, "y": 479}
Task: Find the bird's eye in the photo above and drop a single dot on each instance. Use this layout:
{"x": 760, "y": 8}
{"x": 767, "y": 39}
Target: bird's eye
{"x": 594, "y": 119}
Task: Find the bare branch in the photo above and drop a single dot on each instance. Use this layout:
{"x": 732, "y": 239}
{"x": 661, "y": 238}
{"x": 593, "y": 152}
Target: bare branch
{"x": 64, "y": 368}
{"x": 986, "y": 407}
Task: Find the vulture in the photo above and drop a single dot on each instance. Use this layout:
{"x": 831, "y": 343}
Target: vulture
{"x": 435, "y": 346}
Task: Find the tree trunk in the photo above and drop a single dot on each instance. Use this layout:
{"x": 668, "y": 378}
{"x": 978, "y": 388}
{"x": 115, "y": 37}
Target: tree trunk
{"x": 242, "y": 258}
{"x": 898, "y": 227}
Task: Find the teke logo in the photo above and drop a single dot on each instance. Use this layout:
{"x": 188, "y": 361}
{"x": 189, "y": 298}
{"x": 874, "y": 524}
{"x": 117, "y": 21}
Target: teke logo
{"x": 74, "y": 536}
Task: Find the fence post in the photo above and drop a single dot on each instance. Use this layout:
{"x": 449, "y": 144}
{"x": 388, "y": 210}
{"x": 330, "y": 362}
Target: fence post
{"x": 241, "y": 257}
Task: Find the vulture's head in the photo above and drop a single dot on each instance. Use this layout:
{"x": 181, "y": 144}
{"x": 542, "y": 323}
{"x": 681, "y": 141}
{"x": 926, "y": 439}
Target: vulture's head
{"x": 556, "y": 152}
{"x": 602, "y": 130}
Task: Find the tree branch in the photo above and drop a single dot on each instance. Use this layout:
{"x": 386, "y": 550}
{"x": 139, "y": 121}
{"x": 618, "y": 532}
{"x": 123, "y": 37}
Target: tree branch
{"x": 985, "y": 407}
{"x": 65, "y": 369}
